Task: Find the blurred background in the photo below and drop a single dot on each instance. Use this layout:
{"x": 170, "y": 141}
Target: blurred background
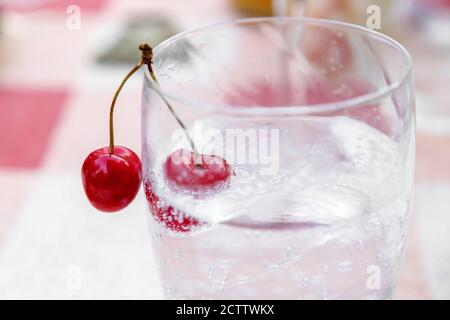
{"x": 60, "y": 62}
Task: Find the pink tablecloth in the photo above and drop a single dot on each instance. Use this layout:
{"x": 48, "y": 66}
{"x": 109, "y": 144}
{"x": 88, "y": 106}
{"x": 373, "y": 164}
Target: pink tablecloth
{"x": 53, "y": 111}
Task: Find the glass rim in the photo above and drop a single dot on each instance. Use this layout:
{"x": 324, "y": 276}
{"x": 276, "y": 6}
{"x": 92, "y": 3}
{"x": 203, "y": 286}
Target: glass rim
{"x": 306, "y": 109}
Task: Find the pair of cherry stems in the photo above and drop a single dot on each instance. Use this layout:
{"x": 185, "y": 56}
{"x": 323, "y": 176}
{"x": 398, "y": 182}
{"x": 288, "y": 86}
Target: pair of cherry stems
{"x": 146, "y": 59}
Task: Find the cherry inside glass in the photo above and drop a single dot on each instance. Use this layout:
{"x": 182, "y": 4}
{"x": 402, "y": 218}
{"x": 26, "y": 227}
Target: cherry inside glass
{"x": 316, "y": 119}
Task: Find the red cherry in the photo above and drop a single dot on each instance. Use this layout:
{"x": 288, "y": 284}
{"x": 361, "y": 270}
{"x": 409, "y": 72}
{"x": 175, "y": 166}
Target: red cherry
{"x": 172, "y": 219}
{"x": 184, "y": 174}
{"x": 210, "y": 173}
{"x": 111, "y": 181}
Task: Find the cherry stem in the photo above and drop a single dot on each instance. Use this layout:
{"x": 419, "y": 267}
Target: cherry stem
{"x": 113, "y": 103}
{"x": 146, "y": 59}
{"x": 177, "y": 118}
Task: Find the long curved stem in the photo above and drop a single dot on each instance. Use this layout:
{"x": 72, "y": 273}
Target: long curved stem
{"x": 177, "y": 118}
{"x": 146, "y": 59}
{"x": 113, "y": 103}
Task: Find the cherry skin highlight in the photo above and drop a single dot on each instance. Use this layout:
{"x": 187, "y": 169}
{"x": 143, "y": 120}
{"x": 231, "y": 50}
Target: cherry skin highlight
{"x": 111, "y": 181}
{"x": 204, "y": 174}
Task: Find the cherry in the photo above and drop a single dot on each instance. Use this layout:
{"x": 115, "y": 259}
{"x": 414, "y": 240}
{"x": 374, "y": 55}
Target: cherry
{"x": 171, "y": 218}
{"x": 196, "y": 173}
{"x": 111, "y": 180}
{"x": 111, "y": 176}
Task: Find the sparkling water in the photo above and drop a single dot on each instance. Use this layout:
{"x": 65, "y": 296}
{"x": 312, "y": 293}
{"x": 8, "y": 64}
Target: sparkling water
{"x": 330, "y": 222}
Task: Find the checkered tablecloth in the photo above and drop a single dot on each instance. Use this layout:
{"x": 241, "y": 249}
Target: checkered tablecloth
{"x": 53, "y": 111}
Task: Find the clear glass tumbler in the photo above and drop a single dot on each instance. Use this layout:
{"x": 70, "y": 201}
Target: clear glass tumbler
{"x": 316, "y": 119}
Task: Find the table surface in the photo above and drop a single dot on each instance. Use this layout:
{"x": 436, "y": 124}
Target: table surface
{"x": 53, "y": 108}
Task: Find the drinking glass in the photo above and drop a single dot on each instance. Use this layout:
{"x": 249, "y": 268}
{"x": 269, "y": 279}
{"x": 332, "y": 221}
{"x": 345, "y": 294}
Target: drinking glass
{"x": 316, "y": 119}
